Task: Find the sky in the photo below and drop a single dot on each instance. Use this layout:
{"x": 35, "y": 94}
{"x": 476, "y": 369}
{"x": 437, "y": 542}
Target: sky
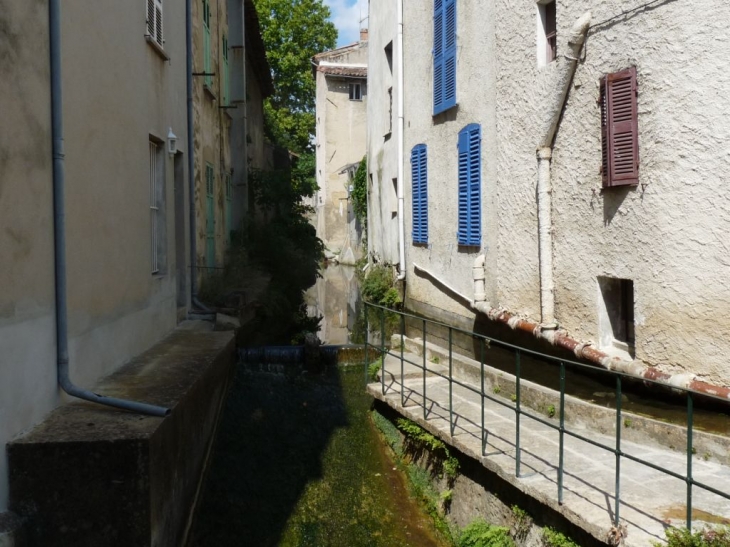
{"x": 346, "y": 16}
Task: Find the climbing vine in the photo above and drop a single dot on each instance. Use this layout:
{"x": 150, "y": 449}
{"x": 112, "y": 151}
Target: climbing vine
{"x": 359, "y": 193}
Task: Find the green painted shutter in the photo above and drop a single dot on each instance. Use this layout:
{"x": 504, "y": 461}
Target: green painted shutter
{"x": 225, "y": 82}
{"x": 229, "y": 207}
{"x": 209, "y": 216}
{"x": 207, "y": 68}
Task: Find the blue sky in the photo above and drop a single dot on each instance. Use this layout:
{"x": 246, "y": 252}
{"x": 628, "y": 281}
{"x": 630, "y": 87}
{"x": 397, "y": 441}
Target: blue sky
{"x": 346, "y": 16}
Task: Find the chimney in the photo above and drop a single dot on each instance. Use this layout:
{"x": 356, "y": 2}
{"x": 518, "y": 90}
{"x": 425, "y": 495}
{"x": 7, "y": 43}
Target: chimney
{"x": 364, "y": 35}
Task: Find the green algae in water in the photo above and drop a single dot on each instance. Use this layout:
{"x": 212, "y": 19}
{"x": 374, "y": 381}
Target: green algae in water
{"x": 298, "y": 463}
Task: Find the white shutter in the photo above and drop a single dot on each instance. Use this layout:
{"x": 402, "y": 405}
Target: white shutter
{"x": 154, "y": 20}
{"x": 158, "y": 22}
{"x": 150, "y": 17}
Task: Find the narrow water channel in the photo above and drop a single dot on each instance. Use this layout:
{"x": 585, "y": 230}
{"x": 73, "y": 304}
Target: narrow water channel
{"x": 298, "y": 463}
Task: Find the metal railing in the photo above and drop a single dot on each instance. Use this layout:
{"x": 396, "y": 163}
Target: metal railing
{"x": 517, "y": 407}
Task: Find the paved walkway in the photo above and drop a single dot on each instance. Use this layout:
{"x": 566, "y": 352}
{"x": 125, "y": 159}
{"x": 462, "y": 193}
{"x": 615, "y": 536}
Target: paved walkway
{"x": 649, "y": 500}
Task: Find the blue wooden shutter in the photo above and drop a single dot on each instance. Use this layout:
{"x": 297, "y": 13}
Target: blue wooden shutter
{"x": 438, "y": 56}
{"x": 449, "y": 54}
{"x": 470, "y": 218}
{"x": 475, "y": 186}
{"x": 419, "y": 191}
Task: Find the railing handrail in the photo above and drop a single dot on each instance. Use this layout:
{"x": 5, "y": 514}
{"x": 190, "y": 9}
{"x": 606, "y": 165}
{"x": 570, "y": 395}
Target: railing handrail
{"x": 561, "y": 428}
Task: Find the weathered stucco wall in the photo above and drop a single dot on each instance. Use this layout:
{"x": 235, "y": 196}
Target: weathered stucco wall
{"x": 341, "y": 130}
{"x": 666, "y": 235}
{"x": 118, "y": 94}
{"x": 247, "y": 119}
{"x": 476, "y": 104}
{"x": 382, "y": 133}
{"x": 211, "y": 130}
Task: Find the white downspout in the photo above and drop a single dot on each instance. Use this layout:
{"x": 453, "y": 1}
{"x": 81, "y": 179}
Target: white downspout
{"x": 545, "y": 240}
{"x": 401, "y": 159}
{"x": 544, "y": 183}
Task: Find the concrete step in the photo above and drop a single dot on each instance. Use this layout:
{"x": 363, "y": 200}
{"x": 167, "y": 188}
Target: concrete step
{"x": 94, "y": 475}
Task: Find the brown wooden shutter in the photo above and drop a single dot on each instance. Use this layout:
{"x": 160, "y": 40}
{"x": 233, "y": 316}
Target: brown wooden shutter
{"x": 604, "y": 134}
{"x": 620, "y": 129}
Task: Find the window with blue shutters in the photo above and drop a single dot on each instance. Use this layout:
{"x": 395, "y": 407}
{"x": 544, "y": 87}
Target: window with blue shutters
{"x": 419, "y": 181}
{"x": 470, "y": 182}
{"x": 444, "y": 55}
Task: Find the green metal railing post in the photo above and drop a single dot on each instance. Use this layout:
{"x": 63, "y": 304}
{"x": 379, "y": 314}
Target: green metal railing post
{"x": 425, "y": 413}
{"x": 382, "y": 350}
{"x": 562, "y": 433}
{"x": 517, "y": 414}
{"x": 451, "y": 386}
{"x": 366, "y": 343}
{"x": 616, "y": 512}
{"x": 481, "y": 368}
{"x": 402, "y": 383}
{"x": 690, "y": 420}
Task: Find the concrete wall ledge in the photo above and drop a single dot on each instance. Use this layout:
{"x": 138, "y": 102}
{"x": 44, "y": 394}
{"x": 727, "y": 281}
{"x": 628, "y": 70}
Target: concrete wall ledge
{"x": 93, "y": 475}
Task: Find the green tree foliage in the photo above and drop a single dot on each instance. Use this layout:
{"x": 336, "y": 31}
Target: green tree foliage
{"x": 293, "y": 32}
{"x": 359, "y": 193}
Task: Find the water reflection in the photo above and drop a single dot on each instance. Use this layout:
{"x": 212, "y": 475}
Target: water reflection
{"x": 336, "y": 298}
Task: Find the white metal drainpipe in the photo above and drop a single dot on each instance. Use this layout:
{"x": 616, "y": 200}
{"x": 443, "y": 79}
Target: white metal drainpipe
{"x": 544, "y": 183}
{"x": 401, "y": 158}
{"x": 59, "y": 233}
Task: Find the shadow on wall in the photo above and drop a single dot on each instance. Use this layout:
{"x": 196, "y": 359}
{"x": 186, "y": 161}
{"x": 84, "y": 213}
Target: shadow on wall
{"x": 613, "y": 198}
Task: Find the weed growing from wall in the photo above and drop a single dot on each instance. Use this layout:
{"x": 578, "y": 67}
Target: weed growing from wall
{"x": 480, "y": 533}
{"x": 681, "y": 537}
{"x": 553, "y": 538}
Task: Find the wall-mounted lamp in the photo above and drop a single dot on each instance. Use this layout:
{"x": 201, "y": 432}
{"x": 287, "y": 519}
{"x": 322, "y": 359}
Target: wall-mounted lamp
{"x": 171, "y": 143}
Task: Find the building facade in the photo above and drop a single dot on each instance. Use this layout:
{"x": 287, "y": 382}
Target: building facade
{"x": 123, "y": 82}
{"x": 212, "y": 134}
{"x": 127, "y": 185}
{"x": 383, "y": 129}
{"x": 341, "y": 110}
{"x": 573, "y": 164}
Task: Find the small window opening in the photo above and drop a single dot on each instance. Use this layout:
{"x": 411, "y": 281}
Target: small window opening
{"x": 547, "y": 42}
{"x": 616, "y": 321}
{"x": 355, "y": 92}
{"x": 394, "y": 201}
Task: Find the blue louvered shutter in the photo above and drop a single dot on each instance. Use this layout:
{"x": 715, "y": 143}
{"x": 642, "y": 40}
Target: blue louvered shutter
{"x": 423, "y": 190}
{"x": 470, "y": 218}
{"x": 419, "y": 191}
{"x": 449, "y": 54}
{"x": 438, "y": 56}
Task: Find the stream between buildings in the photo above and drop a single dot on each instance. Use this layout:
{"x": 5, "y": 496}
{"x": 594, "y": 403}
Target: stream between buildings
{"x": 298, "y": 462}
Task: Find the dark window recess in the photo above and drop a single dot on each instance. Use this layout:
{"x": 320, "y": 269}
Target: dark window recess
{"x": 355, "y": 92}
{"x": 551, "y": 37}
{"x": 618, "y": 296}
{"x": 619, "y": 129}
